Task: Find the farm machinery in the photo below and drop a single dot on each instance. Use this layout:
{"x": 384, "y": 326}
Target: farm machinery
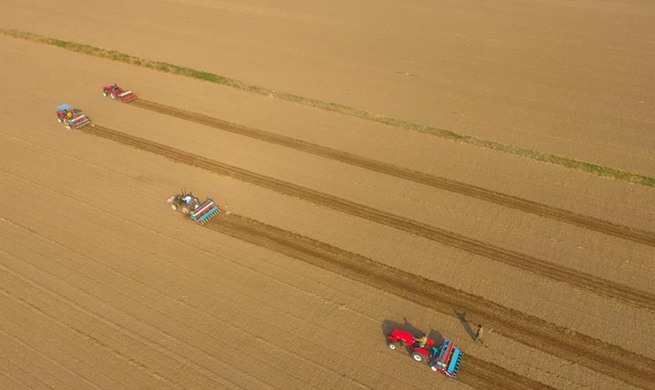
{"x": 446, "y": 358}
{"x": 188, "y": 204}
{"x": 118, "y": 93}
{"x": 71, "y": 117}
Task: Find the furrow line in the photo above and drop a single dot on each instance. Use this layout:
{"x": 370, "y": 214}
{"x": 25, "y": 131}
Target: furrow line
{"x": 597, "y": 355}
{"x": 525, "y": 262}
{"x": 588, "y": 222}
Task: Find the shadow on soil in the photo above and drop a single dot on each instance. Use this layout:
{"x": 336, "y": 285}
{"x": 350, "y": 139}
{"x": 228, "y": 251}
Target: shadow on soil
{"x": 465, "y": 324}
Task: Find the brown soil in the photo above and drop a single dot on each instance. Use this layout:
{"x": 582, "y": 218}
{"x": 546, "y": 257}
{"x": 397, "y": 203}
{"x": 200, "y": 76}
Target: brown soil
{"x": 340, "y": 229}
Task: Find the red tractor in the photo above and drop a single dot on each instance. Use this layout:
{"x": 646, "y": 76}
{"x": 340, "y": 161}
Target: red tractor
{"x": 71, "y": 117}
{"x": 445, "y": 358}
{"x": 118, "y": 93}
{"x": 405, "y": 338}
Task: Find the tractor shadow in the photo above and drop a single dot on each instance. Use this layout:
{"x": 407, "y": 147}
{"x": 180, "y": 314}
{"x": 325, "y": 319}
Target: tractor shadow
{"x": 390, "y": 325}
{"x": 465, "y": 324}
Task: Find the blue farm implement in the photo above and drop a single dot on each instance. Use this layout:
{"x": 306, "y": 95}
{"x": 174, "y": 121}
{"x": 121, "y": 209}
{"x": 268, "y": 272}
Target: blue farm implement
{"x": 446, "y": 359}
{"x": 205, "y": 212}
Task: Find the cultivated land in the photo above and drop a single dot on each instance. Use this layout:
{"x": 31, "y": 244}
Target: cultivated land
{"x": 341, "y": 227}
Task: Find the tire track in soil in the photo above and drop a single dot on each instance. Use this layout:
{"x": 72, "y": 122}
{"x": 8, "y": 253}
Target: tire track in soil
{"x": 480, "y": 365}
{"x": 515, "y": 259}
{"x": 563, "y": 342}
{"x": 201, "y": 292}
{"x": 478, "y": 375}
{"x": 532, "y": 331}
{"x": 442, "y": 183}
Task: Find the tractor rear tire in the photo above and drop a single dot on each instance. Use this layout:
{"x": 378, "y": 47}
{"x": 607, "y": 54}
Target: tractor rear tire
{"x": 104, "y": 93}
{"x": 59, "y": 120}
{"x": 68, "y": 127}
{"x": 392, "y": 346}
{"x": 433, "y": 368}
{"x": 417, "y": 357}
{"x": 113, "y": 96}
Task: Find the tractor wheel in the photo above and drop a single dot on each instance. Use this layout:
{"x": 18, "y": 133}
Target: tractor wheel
{"x": 113, "y": 96}
{"x": 392, "y": 346}
{"x": 59, "y": 120}
{"x": 174, "y": 206}
{"x": 433, "y": 368}
{"x": 104, "y": 93}
{"x": 67, "y": 126}
{"x": 417, "y": 356}
{"x": 185, "y": 210}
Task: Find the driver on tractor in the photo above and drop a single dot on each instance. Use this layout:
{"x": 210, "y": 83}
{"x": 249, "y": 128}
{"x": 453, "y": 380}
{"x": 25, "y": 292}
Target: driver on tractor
{"x": 421, "y": 341}
{"x": 188, "y": 199}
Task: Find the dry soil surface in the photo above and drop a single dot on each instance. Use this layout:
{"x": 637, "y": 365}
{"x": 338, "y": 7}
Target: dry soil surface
{"x": 339, "y": 229}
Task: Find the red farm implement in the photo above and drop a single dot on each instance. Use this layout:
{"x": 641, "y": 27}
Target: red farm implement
{"x": 118, "y": 93}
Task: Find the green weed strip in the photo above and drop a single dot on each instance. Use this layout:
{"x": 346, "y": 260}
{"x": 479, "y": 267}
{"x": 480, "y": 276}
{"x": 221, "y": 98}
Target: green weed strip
{"x": 566, "y": 162}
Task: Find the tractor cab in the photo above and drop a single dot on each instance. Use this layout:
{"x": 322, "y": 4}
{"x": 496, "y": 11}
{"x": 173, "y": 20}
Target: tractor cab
{"x": 63, "y": 110}
{"x": 67, "y": 111}
{"x": 191, "y": 201}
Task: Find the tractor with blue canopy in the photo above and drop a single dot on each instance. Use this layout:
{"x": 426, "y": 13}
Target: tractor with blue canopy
{"x": 72, "y": 118}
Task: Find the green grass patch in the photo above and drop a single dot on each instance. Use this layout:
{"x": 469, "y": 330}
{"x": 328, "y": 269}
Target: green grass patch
{"x": 562, "y": 161}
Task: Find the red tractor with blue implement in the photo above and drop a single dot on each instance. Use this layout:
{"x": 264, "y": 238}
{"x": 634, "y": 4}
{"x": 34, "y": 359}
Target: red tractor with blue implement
{"x": 200, "y": 212}
{"x": 446, "y": 358}
{"x": 118, "y": 93}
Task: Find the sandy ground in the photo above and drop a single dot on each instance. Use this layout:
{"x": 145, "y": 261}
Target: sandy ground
{"x": 104, "y": 288}
{"x": 573, "y": 79}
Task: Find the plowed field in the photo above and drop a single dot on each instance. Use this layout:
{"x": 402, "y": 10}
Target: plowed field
{"x": 343, "y": 217}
